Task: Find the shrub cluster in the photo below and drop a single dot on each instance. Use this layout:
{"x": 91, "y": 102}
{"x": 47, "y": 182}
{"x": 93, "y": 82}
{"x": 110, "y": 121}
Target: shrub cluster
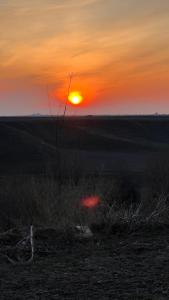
{"x": 44, "y": 201}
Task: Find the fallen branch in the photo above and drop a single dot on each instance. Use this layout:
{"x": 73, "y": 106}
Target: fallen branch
{"x": 7, "y": 232}
{"x": 23, "y": 242}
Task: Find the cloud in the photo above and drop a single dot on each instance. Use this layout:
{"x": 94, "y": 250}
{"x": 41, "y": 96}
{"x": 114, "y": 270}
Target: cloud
{"x": 113, "y": 44}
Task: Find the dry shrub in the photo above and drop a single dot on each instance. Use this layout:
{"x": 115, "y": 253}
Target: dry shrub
{"x": 42, "y": 201}
{"x": 45, "y": 202}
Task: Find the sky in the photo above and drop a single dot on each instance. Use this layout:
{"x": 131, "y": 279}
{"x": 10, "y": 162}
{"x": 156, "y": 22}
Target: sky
{"x": 118, "y": 51}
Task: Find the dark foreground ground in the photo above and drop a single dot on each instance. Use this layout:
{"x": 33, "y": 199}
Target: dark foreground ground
{"x": 121, "y": 266}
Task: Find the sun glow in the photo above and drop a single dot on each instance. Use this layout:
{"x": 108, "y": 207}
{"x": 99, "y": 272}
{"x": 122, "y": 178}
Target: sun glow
{"x": 75, "y": 98}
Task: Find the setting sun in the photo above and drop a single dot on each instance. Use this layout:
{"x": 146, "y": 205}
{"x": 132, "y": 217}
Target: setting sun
{"x": 75, "y": 98}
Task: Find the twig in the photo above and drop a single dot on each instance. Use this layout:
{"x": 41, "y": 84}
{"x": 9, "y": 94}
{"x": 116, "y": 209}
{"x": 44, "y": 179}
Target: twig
{"x": 19, "y": 259}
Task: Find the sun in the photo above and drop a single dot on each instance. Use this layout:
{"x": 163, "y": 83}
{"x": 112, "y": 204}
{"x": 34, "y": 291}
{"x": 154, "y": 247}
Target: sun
{"x": 75, "y": 98}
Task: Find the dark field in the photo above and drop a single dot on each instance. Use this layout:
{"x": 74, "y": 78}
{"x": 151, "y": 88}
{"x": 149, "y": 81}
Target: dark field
{"x": 104, "y": 144}
{"x": 47, "y": 166}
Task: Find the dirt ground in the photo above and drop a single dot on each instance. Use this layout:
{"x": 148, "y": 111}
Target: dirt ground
{"x": 121, "y": 266}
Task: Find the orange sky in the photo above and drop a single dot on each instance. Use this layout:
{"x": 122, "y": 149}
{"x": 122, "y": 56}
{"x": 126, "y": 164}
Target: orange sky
{"x": 118, "y": 51}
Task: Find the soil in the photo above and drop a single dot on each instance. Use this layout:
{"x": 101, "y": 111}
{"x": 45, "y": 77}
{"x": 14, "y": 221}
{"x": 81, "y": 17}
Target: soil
{"x": 121, "y": 266}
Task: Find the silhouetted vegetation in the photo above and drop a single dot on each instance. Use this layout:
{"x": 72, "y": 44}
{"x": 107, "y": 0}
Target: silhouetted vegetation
{"x": 45, "y": 201}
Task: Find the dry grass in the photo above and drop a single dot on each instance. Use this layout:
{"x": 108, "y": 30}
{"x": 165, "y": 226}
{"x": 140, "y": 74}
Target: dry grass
{"x": 44, "y": 202}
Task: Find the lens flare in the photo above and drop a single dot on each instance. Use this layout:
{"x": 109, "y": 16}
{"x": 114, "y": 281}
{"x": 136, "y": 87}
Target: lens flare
{"x": 90, "y": 202}
{"x": 75, "y": 98}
